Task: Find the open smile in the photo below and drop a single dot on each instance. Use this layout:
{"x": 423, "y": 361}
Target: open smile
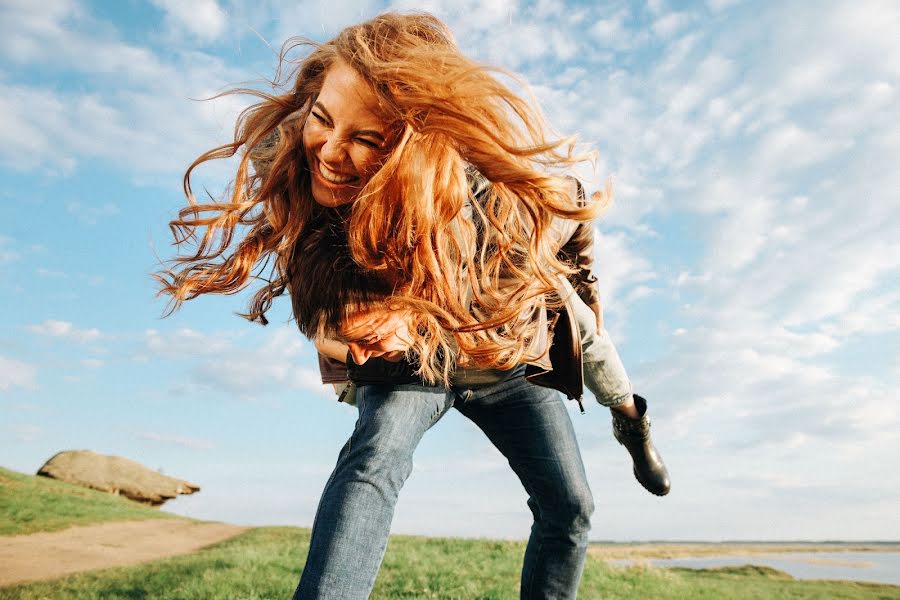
{"x": 334, "y": 178}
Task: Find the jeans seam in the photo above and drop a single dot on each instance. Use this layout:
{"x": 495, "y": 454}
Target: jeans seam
{"x": 531, "y": 572}
{"x": 526, "y": 481}
{"x": 356, "y": 426}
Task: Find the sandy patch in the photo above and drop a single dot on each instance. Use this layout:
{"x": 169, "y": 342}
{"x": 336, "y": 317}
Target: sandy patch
{"x": 48, "y": 555}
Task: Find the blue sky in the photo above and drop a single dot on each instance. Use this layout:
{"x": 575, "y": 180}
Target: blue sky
{"x": 749, "y": 267}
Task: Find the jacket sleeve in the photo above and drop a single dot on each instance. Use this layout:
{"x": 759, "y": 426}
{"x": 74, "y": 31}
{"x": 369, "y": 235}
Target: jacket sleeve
{"x": 578, "y": 250}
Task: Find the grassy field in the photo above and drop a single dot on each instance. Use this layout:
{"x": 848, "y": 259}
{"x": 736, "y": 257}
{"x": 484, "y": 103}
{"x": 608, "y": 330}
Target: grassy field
{"x": 29, "y": 504}
{"x": 266, "y": 562}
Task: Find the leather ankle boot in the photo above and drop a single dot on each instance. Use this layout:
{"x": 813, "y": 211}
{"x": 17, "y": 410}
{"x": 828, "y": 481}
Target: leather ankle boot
{"x": 634, "y": 434}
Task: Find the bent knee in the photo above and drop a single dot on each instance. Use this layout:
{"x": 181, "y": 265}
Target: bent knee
{"x": 385, "y": 464}
{"x": 580, "y": 511}
{"x": 571, "y": 515}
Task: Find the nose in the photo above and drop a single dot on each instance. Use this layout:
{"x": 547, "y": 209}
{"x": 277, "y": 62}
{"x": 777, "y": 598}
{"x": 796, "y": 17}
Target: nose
{"x": 332, "y": 151}
{"x": 360, "y": 355}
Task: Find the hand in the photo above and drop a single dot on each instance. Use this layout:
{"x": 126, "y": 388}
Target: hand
{"x": 377, "y": 332}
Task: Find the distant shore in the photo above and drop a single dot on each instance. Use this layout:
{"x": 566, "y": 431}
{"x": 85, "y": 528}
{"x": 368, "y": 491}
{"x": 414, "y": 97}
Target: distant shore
{"x": 650, "y": 550}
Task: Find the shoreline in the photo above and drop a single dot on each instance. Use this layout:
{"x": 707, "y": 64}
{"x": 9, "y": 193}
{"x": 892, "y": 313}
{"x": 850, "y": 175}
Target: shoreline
{"x": 663, "y": 550}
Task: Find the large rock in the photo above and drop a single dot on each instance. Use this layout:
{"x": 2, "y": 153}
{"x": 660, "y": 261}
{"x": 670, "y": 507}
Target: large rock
{"x": 116, "y": 475}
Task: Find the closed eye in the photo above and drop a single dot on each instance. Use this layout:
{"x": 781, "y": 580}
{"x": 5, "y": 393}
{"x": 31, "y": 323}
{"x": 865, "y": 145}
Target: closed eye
{"x": 369, "y": 143}
{"x": 365, "y": 341}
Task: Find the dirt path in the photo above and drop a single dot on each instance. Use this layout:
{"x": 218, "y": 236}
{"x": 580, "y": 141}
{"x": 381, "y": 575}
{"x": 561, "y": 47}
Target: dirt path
{"x": 49, "y": 555}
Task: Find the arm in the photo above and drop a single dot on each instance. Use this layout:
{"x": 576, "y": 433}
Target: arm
{"x": 331, "y": 348}
{"x": 579, "y": 251}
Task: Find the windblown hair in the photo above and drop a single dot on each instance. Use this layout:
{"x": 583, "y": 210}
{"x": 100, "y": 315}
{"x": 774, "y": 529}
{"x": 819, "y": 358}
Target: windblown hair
{"x": 474, "y": 273}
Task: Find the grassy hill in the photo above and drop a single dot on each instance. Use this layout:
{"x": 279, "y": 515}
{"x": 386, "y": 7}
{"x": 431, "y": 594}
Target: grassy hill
{"x": 265, "y": 563}
{"x": 29, "y": 504}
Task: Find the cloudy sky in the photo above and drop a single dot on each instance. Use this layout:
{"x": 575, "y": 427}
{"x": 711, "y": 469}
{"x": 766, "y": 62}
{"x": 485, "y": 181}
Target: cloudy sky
{"x": 749, "y": 268}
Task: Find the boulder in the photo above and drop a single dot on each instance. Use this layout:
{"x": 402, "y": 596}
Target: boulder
{"x": 116, "y": 475}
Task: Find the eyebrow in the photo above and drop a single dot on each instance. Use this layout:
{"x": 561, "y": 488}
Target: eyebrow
{"x": 366, "y": 340}
{"x": 369, "y": 132}
{"x": 360, "y": 338}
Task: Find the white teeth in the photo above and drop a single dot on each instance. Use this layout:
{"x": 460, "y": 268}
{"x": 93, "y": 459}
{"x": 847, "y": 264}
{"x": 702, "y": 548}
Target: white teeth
{"x": 332, "y": 177}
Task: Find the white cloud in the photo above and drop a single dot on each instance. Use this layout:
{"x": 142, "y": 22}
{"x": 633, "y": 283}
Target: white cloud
{"x": 146, "y": 122}
{"x": 65, "y": 329}
{"x": 852, "y": 271}
{"x": 16, "y": 373}
{"x": 790, "y": 146}
{"x": 871, "y": 109}
{"x": 467, "y": 15}
{"x": 176, "y": 440}
{"x": 186, "y": 343}
{"x": 273, "y": 365}
{"x": 19, "y": 19}
{"x": 201, "y": 18}
{"x": 91, "y": 214}
{"x": 250, "y": 378}
{"x": 520, "y": 42}
{"x": 719, "y": 5}
{"x": 92, "y": 363}
{"x": 775, "y": 190}
{"x": 223, "y": 361}
{"x": 656, "y": 7}
{"x": 45, "y": 272}
{"x": 878, "y": 313}
{"x": 65, "y": 35}
{"x": 25, "y": 432}
{"x": 618, "y": 266}
{"x": 668, "y": 25}
{"x": 7, "y": 254}
{"x": 744, "y": 233}
{"x": 550, "y": 8}
{"x": 146, "y": 132}
{"x": 746, "y": 390}
{"x": 611, "y": 31}
{"x": 320, "y": 19}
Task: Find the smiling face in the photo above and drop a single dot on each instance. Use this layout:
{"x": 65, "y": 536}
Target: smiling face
{"x": 344, "y": 137}
{"x": 375, "y": 332}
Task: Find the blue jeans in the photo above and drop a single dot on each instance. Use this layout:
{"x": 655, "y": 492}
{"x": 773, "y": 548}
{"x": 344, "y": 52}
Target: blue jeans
{"x": 527, "y": 423}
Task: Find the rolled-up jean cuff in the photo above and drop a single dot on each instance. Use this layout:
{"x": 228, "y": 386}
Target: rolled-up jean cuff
{"x": 607, "y": 380}
{"x": 612, "y": 401}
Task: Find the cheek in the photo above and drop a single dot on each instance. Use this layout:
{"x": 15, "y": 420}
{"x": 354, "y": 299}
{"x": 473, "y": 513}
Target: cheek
{"x": 308, "y": 136}
{"x": 367, "y": 162}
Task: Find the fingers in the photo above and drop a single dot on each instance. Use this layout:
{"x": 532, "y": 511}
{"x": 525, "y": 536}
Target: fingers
{"x": 379, "y": 332}
{"x": 376, "y": 325}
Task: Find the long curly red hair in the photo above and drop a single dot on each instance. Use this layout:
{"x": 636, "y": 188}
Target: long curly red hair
{"x": 473, "y": 273}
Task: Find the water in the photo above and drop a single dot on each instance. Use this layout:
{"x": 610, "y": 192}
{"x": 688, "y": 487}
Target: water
{"x": 878, "y": 567}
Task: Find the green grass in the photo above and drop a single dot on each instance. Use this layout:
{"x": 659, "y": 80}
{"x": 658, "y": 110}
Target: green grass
{"x": 29, "y": 504}
{"x": 266, "y": 562}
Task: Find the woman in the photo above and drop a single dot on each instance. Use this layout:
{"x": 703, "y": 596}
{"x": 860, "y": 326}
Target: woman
{"x": 362, "y": 200}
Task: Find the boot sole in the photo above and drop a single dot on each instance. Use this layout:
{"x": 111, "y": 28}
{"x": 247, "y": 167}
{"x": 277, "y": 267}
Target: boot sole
{"x": 644, "y": 485}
